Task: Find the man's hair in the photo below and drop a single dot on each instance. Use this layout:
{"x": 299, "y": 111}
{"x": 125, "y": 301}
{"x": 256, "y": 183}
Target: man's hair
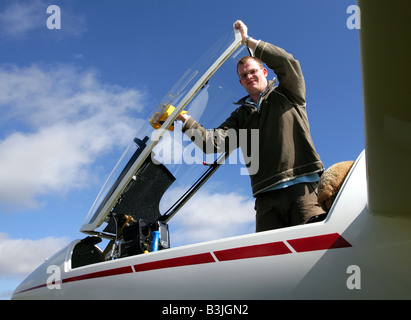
{"x": 244, "y": 59}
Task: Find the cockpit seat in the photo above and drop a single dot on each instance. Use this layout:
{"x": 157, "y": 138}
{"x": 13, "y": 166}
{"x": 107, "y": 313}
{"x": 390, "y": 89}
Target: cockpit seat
{"x": 86, "y": 252}
{"x": 142, "y": 196}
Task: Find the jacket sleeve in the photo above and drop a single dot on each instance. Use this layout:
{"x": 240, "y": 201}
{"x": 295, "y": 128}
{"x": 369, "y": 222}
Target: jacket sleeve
{"x": 221, "y": 139}
{"x": 287, "y": 69}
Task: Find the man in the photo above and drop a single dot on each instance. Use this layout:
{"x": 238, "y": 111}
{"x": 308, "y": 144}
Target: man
{"x": 289, "y": 167}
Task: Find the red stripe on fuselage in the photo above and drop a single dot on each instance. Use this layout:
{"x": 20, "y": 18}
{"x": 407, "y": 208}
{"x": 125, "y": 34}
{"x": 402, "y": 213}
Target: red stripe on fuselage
{"x": 175, "y": 262}
{"x": 100, "y": 274}
{"x": 323, "y": 242}
{"x": 259, "y": 250}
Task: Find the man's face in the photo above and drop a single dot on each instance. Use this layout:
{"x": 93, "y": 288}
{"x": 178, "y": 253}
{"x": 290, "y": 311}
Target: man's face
{"x": 252, "y": 77}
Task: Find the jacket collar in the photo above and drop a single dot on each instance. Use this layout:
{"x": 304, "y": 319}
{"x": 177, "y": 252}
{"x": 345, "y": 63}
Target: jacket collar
{"x": 267, "y": 90}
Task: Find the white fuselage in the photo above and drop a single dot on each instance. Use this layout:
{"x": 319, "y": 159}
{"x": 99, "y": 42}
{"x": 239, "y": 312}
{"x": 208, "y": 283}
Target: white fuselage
{"x": 351, "y": 254}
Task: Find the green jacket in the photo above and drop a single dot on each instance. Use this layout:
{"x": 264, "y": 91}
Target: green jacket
{"x": 285, "y": 148}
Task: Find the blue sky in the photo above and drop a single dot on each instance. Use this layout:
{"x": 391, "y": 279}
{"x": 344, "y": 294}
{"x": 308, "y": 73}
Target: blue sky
{"x": 71, "y": 99}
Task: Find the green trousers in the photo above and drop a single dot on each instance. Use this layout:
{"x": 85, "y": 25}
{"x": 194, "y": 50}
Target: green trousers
{"x": 286, "y": 207}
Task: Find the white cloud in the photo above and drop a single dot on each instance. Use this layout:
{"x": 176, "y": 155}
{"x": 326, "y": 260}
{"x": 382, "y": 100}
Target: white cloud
{"x": 211, "y": 216}
{"x": 19, "y": 19}
{"x": 19, "y": 257}
{"x": 56, "y": 121}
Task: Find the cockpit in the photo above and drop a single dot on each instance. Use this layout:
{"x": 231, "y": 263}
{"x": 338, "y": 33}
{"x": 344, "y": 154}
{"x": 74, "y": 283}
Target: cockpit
{"x": 162, "y": 168}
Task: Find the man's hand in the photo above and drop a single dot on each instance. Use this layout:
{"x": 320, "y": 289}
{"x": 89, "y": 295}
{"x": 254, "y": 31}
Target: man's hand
{"x": 158, "y": 119}
{"x": 239, "y": 25}
{"x": 246, "y": 40}
{"x": 183, "y": 116}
